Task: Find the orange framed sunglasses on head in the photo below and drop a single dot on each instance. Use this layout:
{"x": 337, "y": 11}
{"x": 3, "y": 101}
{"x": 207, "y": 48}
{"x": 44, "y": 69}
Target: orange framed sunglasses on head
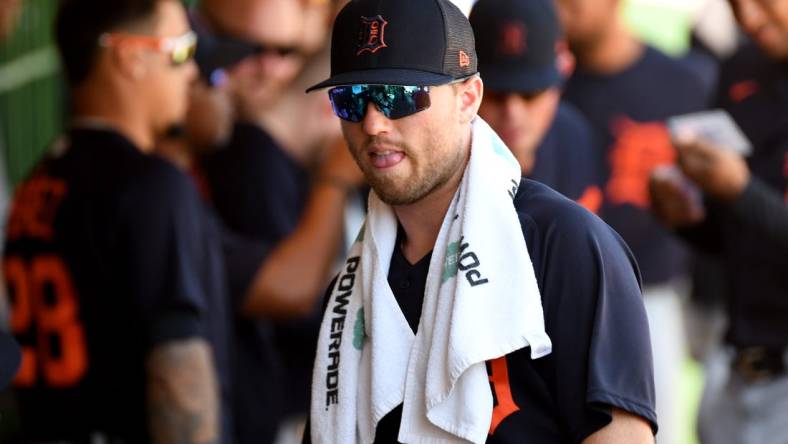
{"x": 180, "y": 49}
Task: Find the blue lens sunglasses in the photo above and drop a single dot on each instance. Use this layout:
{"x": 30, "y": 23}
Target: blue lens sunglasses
{"x": 393, "y": 101}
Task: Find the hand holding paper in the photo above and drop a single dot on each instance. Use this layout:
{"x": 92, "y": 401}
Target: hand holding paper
{"x": 720, "y": 173}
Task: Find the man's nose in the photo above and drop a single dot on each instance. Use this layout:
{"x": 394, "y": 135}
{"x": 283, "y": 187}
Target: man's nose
{"x": 375, "y": 122}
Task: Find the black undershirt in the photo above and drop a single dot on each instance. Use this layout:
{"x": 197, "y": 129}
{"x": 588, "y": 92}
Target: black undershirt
{"x": 408, "y": 281}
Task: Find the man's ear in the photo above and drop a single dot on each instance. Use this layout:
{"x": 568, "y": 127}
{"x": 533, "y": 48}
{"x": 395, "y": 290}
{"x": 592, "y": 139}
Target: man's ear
{"x": 129, "y": 61}
{"x": 469, "y": 95}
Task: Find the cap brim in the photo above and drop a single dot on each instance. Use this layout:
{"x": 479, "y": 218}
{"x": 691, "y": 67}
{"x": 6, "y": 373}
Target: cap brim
{"x": 404, "y": 77}
{"x": 507, "y": 79}
{"x": 218, "y": 52}
{"x": 10, "y": 358}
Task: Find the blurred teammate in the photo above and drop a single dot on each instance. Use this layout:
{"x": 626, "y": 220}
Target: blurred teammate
{"x": 517, "y": 44}
{"x": 266, "y": 394}
{"x": 277, "y": 181}
{"x": 274, "y": 28}
{"x": 626, "y": 89}
{"x": 743, "y": 220}
{"x": 116, "y": 281}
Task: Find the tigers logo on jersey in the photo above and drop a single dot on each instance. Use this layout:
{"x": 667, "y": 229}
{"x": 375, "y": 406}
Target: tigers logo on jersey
{"x": 742, "y": 91}
{"x": 639, "y": 148}
{"x": 371, "y": 37}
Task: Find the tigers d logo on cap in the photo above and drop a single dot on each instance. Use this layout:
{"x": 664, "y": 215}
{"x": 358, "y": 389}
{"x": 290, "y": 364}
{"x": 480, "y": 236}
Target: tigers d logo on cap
{"x": 513, "y": 39}
{"x": 363, "y": 28}
{"x": 372, "y": 34}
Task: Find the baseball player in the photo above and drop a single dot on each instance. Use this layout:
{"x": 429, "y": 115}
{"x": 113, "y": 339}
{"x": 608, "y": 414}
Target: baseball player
{"x": 743, "y": 221}
{"x": 115, "y": 280}
{"x": 422, "y": 336}
{"x": 627, "y": 89}
{"x": 554, "y": 143}
{"x": 274, "y": 181}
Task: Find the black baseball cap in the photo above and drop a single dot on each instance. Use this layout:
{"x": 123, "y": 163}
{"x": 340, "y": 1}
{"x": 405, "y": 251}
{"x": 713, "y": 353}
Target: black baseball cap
{"x": 400, "y": 42}
{"x": 10, "y": 358}
{"x": 516, "y": 41}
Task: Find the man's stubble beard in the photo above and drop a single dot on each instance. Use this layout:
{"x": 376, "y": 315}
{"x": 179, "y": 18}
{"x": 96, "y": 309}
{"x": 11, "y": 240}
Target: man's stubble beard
{"x": 422, "y": 183}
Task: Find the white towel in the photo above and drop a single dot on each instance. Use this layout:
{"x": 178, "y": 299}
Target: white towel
{"x": 481, "y": 302}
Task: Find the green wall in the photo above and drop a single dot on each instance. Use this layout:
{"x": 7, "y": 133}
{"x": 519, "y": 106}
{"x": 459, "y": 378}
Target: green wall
{"x": 31, "y": 97}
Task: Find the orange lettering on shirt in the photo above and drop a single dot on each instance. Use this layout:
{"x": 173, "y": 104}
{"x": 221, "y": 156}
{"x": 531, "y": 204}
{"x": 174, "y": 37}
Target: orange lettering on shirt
{"x": 591, "y": 199}
{"x": 34, "y": 207}
{"x": 499, "y": 379}
{"x": 743, "y": 90}
{"x": 638, "y": 149}
{"x": 28, "y": 372}
{"x": 44, "y": 302}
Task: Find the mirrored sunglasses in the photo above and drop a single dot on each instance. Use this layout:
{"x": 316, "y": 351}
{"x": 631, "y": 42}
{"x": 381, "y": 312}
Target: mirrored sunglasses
{"x": 393, "y": 101}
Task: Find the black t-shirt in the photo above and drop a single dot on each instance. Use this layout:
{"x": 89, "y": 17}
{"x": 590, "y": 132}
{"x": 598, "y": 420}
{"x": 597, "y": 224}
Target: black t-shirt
{"x": 257, "y": 188}
{"x": 107, "y": 255}
{"x": 258, "y": 370}
{"x": 754, "y": 90}
{"x": 260, "y": 192}
{"x": 569, "y": 159}
{"x": 628, "y": 110}
{"x": 594, "y": 316}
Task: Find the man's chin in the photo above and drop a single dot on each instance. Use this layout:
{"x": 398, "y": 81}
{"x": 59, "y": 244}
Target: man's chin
{"x": 396, "y": 196}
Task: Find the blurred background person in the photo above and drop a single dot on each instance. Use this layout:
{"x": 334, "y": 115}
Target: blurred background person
{"x": 517, "y": 44}
{"x": 116, "y": 287}
{"x": 743, "y": 220}
{"x": 253, "y": 188}
{"x": 266, "y": 390}
{"x": 318, "y": 226}
{"x": 626, "y": 89}
{"x": 276, "y": 29}
{"x": 714, "y": 36}
{"x": 317, "y": 18}
{"x": 280, "y": 181}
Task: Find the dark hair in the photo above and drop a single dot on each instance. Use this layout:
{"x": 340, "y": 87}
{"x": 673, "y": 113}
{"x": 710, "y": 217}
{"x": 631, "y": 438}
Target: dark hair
{"x": 80, "y": 23}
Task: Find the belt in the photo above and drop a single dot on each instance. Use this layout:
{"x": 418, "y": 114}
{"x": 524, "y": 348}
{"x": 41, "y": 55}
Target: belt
{"x": 755, "y": 364}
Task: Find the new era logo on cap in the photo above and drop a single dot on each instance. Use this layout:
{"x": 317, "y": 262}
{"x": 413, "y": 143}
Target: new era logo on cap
{"x": 400, "y": 42}
{"x": 371, "y": 37}
{"x": 465, "y": 59}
